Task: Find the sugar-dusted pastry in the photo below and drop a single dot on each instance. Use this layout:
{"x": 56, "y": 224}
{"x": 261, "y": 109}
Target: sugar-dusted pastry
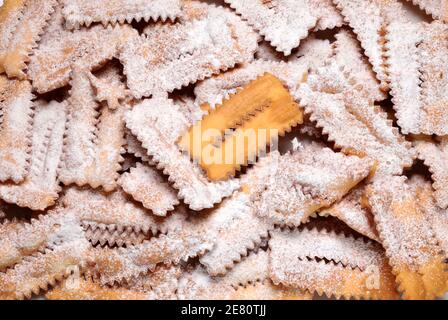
{"x": 85, "y": 12}
{"x": 406, "y": 232}
{"x": 436, "y": 8}
{"x": 147, "y": 185}
{"x": 351, "y": 211}
{"x": 347, "y": 113}
{"x": 277, "y": 190}
{"x": 40, "y": 188}
{"x": 284, "y": 23}
{"x": 248, "y": 280}
{"x": 417, "y": 66}
{"x": 159, "y": 284}
{"x": 178, "y": 245}
{"x": 170, "y": 57}
{"x": 21, "y": 24}
{"x": 369, "y": 20}
{"x": 332, "y": 264}
{"x": 158, "y": 123}
{"x": 16, "y": 125}
{"x": 264, "y": 107}
{"x": 56, "y": 250}
{"x": 94, "y": 138}
{"x": 114, "y": 219}
{"x": 60, "y": 50}
{"x": 435, "y": 156}
{"x": 293, "y": 186}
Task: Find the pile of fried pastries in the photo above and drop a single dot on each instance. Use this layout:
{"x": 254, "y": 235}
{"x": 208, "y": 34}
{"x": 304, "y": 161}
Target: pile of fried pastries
{"x": 103, "y": 195}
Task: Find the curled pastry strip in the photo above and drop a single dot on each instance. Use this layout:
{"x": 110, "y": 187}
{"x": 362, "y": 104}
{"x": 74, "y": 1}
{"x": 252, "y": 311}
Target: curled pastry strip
{"x": 22, "y": 38}
{"x": 369, "y": 20}
{"x": 134, "y": 147}
{"x": 435, "y": 156}
{"x": 247, "y": 280}
{"x": 291, "y": 187}
{"x": 40, "y": 188}
{"x": 147, "y": 186}
{"x": 415, "y": 52}
{"x": 159, "y": 284}
{"x": 337, "y": 103}
{"x": 114, "y": 212}
{"x": 85, "y": 12}
{"x": 116, "y": 265}
{"x": 110, "y": 235}
{"x": 44, "y": 269}
{"x": 437, "y": 8}
{"x": 330, "y": 264}
{"x": 16, "y": 125}
{"x": 158, "y": 123}
{"x": 263, "y": 108}
{"x": 94, "y": 138}
{"x": 406, "y": 233}
{"x": 351, "y": 211}
{"x": 61, "y": 50}
{"x": 294, "y": 18}
{"x": 169, "y": 57}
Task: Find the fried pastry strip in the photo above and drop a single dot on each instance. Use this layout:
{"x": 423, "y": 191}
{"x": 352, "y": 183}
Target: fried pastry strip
{"x": 352, "y": 213}
{"x": 247, "y": 280}
{"x": 291, "y": 187}
{"x": 84, "y": 12}
{"x": 147, "y": 186}
{"x": 344, "y": 110}
{"x": 44, "y": 269}
{"x": 160, "y": 284}
{"x": 169, "y": 57}
{"x": 234, "y": 219}
{"x": 94, "y": 139}
{"x": 158, "y": 123}
{"x": 60, "y": 50}
{"x": 263, "y": 107}
{"x": 180, "y": 244}
{"x": 330, "y": 264}
{"x": 369, "y": 19}
{"x": 437, "y": 217}
{"x": 16, "y": 112}
{"x": 407, "y": 235}
{"x": 435, "y": 156}
{"x": 436, "y": 8}
{"x": 284, "y": 23}
{"x": 417, "y": 59}
{"x": 23, "y": 33}
{"x": 20, "y": 240}
{"x": 40, "y": 188}
{"x": 114, "y": 213}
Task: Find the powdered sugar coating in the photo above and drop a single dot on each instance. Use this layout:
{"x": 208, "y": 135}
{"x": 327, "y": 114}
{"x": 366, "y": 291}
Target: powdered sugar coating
{"x": 60, "y": 50}
{"x": 348, "y": 115}
{"x": 158, "y": 124}
{"x": 85, "y": 12}
{"x": 16, "y": 111}
{"x": 176, "y": 55}
{"x": 94, "y": 138}
{"x": 234, "y": 219}
{"x": 368, "y": 20}
{"x": 296, "y": 185}
{"x": 40, "y": 188}
{"x": 147, "y": 186}
{"x": 406, "y": 233}
{"x": 437, "y": 8}
{"x": 284, "y": 23}
{"x": 418, "y": 86}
